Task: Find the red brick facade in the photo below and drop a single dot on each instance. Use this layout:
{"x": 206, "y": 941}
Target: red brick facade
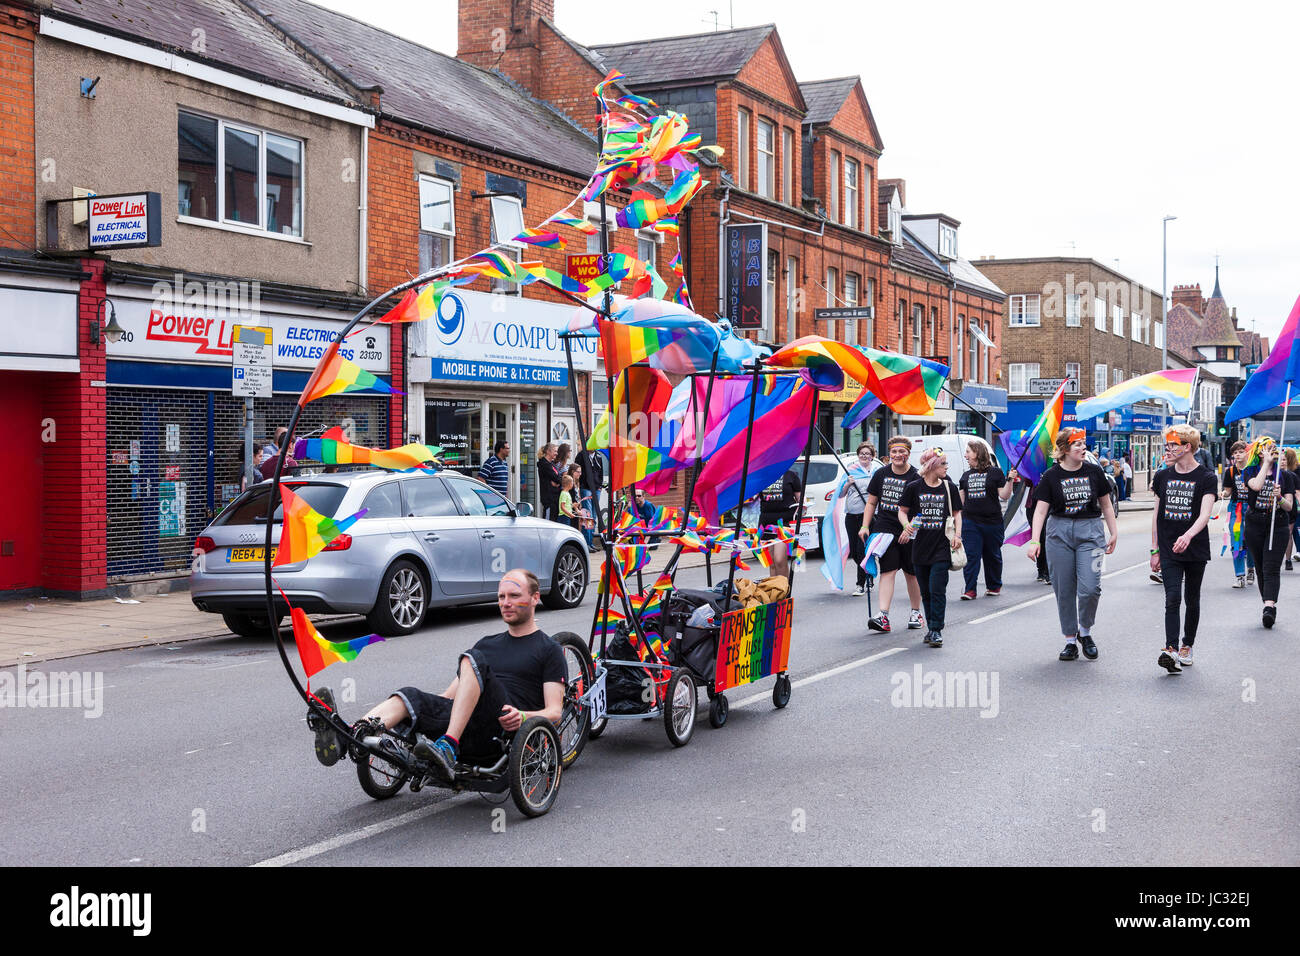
{"x": 17, "y": 126}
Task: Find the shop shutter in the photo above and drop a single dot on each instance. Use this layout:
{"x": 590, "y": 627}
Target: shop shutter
{"x": 157, "y": 478}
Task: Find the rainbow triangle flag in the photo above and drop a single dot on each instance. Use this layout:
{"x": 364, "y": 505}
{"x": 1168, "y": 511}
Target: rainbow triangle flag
{"x": 317, "y": 653}
{"x": 304, "y": 532}
{"x": 335, "y": 375}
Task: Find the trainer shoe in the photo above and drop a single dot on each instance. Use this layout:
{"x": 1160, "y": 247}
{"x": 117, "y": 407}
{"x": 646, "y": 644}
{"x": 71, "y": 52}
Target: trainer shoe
{"x": 1287, "y": 564}
{"x": 992, "y": 592}
{"x": 968, "y": 595}
{"x": 1270, "y": 615}
{"x": 1089, "y": 647}
{"x": 330, "y": 745}
{"x": 1241, "y": 581}
{"x": 440, "y": 756}
{"x": 1250, "y": 575}
{"x": 880, "y": 623}
{"x": 1168, "y": 661}
{"x": 914, "y": 622}
{"x": 936, "y": 639}
{"x": 1071, "y": 652}
{"x": 859, "y": 591}
{"x": 1157, "y": 577}
{"x": 1185, "y": 655}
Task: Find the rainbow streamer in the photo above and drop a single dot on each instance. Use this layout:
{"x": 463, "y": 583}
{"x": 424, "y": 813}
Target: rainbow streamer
{"x": 333, "y": 448}
{"x": 317, "y": 653}
{"x": 305, "y": 532}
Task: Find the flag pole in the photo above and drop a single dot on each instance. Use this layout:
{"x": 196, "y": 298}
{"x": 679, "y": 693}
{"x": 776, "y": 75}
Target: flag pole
{"x": 1277, "y": 465}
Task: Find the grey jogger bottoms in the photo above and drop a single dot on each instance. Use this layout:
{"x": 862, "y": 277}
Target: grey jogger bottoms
{"x": 1075, "y": 548}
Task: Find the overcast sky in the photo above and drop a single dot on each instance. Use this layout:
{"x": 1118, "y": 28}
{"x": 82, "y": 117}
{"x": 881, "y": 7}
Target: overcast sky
{"x": 1045, "y": 129}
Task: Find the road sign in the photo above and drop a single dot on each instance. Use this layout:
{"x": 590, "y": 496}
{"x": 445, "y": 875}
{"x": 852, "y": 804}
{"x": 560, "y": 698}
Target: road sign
{"x": 250, "y": 357}
{"x": 1048, "y": 386}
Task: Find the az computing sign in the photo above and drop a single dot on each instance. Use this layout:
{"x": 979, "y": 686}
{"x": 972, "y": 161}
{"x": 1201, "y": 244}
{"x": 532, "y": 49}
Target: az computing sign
{"x": 125, "y": 221}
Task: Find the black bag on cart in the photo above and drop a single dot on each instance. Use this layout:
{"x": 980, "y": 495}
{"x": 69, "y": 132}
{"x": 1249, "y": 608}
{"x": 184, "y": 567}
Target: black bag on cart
{"x": 695, "y": 645}
{"x": 624, "y": 687}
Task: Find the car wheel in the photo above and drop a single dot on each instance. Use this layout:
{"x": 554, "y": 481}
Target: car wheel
{"x": 403, "y": 599}
{"x": 249, "y": 625}
{"x": 568, "y": 579}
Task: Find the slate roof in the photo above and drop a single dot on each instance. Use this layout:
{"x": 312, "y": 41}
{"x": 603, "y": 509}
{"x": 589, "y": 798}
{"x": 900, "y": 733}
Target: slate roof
{"x": 435, "y": 91}
{"x": 967, "y": 275}
{"x": 698, "y": 57}
{"x": 912, "y": 255}
{"x": 825, "y": 97}
{"x": 234, "y": 38}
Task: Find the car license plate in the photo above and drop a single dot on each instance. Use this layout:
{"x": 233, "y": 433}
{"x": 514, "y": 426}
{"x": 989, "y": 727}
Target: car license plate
{"x": 245, "y": 555}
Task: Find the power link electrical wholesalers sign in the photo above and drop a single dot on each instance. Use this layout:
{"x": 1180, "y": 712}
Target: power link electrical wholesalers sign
{"x": 126, "y": 221}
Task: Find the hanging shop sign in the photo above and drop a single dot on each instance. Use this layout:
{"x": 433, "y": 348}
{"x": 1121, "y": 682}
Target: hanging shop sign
{"x": 125, "y": 221}
{"x": 746, "y": 292}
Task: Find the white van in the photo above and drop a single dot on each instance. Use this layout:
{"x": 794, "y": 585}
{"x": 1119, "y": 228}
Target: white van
{"x": 952, "y": 445}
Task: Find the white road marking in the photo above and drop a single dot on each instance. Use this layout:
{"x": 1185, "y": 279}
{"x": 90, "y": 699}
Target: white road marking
{"x": 374, "y": 829}
{"x": 812, "y": 678}
{"x": 1049, "y": 596}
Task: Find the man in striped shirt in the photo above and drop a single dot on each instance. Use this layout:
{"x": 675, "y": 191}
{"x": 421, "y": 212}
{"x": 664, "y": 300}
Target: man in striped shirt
{"x": 495, "y": 472}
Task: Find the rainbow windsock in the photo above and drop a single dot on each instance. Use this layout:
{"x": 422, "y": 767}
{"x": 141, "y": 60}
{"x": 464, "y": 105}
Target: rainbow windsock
{"x": 1173, "y": 385}
{"x": 317, "y": 653}
{"x": 1030, "y": 452}
{"x": 336, "y": 374}
{"x": 304, "y": 532}
{"x": 904, "y": 383}
{"x": 333, "y": 448}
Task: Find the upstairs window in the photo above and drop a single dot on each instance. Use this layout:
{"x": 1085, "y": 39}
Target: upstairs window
{"x": 1135, "y": 325}
{"x": 1024, "y": 310}
{"x": 947, "y": 241}
{"x": 832, "y": 287}
{"x": 851, "y": 193}
{"x": 1019, "y": 375}
{"x": 766, "y": 158}
{"x": 1098, "y": 379}
{"x": 437, "y": 222}
{"x": 833, "y": 200}
{"x": 787, "y": 168}
{"x": 1073, "y": 310}
{"x": 1099, "y": 315}
{"x": 918, "y": 319}
{"x": 742, "y": 148}
{"x": 1117, "y": 320}
{"x": 238, "y": 175}
{"x": 507, "y": 222}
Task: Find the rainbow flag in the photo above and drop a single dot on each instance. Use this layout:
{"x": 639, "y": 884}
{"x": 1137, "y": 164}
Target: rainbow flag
{"x": 904, "y": 383}
{"x": 666, "y": 335}
{"x": 304, "y": 532}
{"x": 335, "y": 374}
{"x": 1030, "y": 452}
{"x": 1276, "y": 376}
{"x": 333, "y": 448}
{"x": 1175, "y": 385}
{"x": 317, "y": 653}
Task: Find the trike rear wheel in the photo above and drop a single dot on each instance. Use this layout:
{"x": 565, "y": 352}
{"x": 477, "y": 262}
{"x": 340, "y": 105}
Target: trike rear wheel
{"x": 575, "y": 723}
{"x": 381, "y": 778}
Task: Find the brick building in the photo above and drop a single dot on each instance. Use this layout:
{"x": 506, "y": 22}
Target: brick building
{"x": 1075, "y": 318}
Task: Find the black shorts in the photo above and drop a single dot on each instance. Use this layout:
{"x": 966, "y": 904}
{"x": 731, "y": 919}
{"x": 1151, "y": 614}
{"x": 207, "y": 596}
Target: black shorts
{"x": 897, "y": 556}
{"x": 431, "y": 713}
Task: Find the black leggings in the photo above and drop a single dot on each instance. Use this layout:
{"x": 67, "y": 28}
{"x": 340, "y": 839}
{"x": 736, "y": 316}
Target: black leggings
{"x": 1268, "y": 562}
{"x": 857, "y": 547}
{"x": 1173, "y": 573}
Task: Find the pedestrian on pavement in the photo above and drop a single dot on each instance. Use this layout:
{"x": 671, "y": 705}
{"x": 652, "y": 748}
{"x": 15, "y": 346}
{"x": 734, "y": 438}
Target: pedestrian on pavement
{"x": 267, "y": 468}
{"x": 1072, "y": 500}
{"x": 644, "y": 509}
{"x": 1265, "y": 485}
{"x": 548, "y": 482}
{"x": 582, "y": 505}
{"x": 562, "y": 458}
{"x": 881, "y": 517}
{"x": 1126, "y": 491}
{"x": 983, "y": 489}
{"x": 855, "y": 505}
{"x": 924, "y": 509}
{"x": 1180, "y": 539}
{"x": 1236, "y": 493}
{"x": 494, "y": 472}
{"x": 593, "y": 471}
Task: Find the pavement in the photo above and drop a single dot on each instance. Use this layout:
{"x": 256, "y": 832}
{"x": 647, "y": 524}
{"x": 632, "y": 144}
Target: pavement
{"x": 42, "y": 629}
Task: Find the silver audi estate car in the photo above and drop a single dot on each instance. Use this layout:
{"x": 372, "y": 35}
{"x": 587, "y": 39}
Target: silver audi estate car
{"x": 425, "y": 541}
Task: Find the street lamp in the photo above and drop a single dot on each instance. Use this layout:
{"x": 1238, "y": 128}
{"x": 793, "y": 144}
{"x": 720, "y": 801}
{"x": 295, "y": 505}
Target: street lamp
{"x": 1164, "y": 314}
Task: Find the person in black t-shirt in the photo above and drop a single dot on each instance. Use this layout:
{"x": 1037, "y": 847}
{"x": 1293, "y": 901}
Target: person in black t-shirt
{"x": 983, "y": 489}
{"x": 881, "y": 516}
{"x": 1180, "y": 544}
{"x": 1266, "y": 484}
{"x": 924, "y": 509}
{"x": 500, "y": 682}
{"x": 780, "y": 500}
{"x": 1070, "y": 500}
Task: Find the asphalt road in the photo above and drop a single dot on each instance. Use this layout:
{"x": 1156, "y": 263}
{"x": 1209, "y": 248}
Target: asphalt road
{"x": 201, "y": 755}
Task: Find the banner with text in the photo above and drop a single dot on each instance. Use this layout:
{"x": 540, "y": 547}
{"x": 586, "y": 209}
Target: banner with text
{"x": 755, "y": 643}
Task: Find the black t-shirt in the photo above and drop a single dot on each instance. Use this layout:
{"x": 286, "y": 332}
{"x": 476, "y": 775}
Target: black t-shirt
{"x": 1260, "y": 503}
{"x": 780, "y": 499}
{"x": 523, "y": 664}
{"x": 1236, "y": 484}
{"x": 928, "y": 510}
{"x": 888, "y": 487}
{"x": 1180, "y": 505}
{"x": 982, "y": 502}
{"x": 1073, "y": 494}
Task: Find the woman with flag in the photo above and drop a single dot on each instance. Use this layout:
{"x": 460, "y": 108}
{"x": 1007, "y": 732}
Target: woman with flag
{"x": 1072, "y": 499}
{"x": 1180, "y": 543}
{"x": 1269, "y": 502}
{"x": 1234, "y": 490}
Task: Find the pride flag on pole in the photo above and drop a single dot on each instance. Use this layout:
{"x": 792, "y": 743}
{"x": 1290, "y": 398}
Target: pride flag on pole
{"x": 317, "y": 653}
{"x": 305, "y": 532}
{"x": 1268, "y": 387}
{"x": 1030, "y": 452}
{"x": 1174, "y": 385}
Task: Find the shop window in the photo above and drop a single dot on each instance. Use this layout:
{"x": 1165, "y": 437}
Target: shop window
{"x": 260, "y": 184}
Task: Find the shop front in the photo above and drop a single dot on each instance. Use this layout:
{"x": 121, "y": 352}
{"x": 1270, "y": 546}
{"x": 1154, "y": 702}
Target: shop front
{"x": 174, "y": 432}
{"x": 487, "y": 368}
{"x": 975, "y": 406}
